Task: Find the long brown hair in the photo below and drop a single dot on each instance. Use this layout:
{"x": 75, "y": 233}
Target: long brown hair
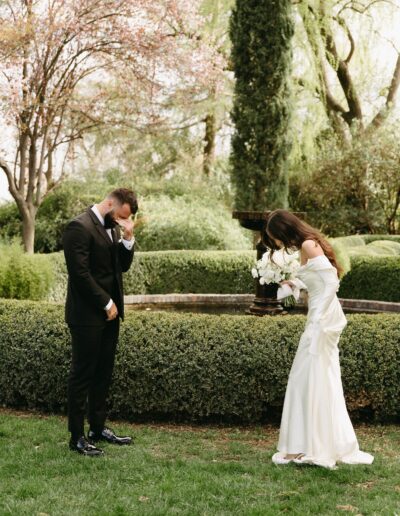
{"x": 292, "y": 232}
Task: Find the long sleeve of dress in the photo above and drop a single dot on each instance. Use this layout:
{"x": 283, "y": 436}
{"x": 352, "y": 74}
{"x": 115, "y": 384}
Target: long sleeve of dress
{"x": 319, "y": 316}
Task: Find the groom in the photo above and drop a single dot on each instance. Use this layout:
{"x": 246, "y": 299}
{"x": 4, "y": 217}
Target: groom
{"x": 96, "y": 254}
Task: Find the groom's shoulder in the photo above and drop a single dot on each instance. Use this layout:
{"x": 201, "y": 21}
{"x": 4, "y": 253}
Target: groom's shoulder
{"x": 83, "y": 219}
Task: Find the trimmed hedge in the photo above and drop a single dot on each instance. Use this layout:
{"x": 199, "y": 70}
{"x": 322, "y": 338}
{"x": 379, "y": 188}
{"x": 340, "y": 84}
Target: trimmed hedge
{"x": 350, "y": 241}
{"x": 371, "y": 238}
{"x": 163, "y": 272}
{"x": 361, "y": 240}
{"x": 219, "y": 272}
{"x": 376, "y": 277}
{"x": 194, "y": 366}
{"x": 228, "y": 272}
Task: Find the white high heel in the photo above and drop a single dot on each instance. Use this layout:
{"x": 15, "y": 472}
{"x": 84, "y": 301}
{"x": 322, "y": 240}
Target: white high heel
{"x": 278, "y": 459}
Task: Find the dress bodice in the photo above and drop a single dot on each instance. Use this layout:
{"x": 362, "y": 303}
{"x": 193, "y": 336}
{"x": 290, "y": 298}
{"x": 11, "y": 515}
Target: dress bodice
{"x": 318, "y": 274}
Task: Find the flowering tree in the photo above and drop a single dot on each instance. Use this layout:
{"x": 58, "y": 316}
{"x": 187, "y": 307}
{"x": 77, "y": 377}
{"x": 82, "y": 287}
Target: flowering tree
{"x": 50, "y": 50}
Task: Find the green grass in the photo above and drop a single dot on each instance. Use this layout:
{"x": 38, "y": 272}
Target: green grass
{"x": 174, "y": 469}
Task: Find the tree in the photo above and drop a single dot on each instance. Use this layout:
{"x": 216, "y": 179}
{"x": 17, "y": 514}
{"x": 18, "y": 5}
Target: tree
{"x": 261, "y": 34}
{"x": 49, "y": 50}
{"x": 334, "y": 31}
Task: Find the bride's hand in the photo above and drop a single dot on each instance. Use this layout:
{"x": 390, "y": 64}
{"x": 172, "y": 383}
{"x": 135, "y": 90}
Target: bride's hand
{"x": 287, "y": 282}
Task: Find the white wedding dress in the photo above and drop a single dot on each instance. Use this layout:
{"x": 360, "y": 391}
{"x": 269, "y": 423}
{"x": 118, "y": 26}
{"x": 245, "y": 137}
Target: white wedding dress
{"x": 315, "y": 421}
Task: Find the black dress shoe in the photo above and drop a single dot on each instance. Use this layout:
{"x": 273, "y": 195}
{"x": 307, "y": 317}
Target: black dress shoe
{"x": 108, "y": 435}
{"x": 83, "y": 447}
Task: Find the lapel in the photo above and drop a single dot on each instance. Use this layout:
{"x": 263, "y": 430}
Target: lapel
{"x": 99, "y": 227}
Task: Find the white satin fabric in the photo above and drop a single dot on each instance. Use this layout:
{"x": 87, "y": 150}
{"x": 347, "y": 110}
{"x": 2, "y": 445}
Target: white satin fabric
{"x": 315, "y": 421}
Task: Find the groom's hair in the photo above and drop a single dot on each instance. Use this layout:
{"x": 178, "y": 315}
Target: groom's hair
{"x": 125, "y": 196}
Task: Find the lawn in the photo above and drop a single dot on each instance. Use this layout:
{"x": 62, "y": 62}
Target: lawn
{"x": 174, "y": 469}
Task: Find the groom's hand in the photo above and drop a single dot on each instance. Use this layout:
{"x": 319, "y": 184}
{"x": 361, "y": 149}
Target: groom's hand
{"x": 112, "y": 312}
{"x": 127, "y": 227}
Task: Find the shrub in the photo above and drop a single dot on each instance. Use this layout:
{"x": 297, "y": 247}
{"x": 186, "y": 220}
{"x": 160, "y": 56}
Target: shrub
{"x": 194, "y": 366}
{"x": 66, "y": 201}
{"x": 351, "y": 241}
{"x": 342, "y": 254}
{"x": 352, "y": 189}
{"x": 10, "y": 221}
{"x": 188, "y": 222}
{"x": 385, "y": 246}
{"x": 24, "y": 276}
{"x": 372, "y": 277}
{"x": 372, "y": 238}
{"x": 186, "y": 218}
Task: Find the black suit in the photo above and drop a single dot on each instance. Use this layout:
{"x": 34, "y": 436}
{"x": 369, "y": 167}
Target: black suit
{"x": 95, "y": 264}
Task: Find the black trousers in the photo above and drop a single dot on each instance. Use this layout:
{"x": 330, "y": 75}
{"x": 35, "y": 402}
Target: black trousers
{"x": 93, "y": 354}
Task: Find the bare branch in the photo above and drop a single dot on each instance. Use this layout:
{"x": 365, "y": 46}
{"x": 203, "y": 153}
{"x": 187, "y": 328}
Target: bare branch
{"x": 11, "y": 183}
{"x": 390, "y": 99}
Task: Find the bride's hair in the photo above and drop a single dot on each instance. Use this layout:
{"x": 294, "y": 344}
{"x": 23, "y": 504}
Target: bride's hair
{"x": 292, "y": 232}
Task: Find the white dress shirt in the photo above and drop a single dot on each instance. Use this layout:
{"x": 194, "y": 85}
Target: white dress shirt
{"x": 127, "y": 243}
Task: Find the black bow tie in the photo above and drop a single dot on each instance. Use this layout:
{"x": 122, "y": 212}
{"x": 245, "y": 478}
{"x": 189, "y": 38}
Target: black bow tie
{"x": 110, "y": 225}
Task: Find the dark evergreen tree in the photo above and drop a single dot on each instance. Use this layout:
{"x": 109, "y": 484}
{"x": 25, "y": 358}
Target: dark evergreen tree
{"x": 261, "y": 33}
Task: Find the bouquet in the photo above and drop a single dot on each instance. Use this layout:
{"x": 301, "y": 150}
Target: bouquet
{"x": 283, "y": 266}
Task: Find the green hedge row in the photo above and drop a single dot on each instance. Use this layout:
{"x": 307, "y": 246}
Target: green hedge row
{"x": 228, "y": 272}
{"x": 361, "y": 240}
{"x": 163, "y": 272}
{"x": 372, "y": 277}
{"x": 194, "y": 366}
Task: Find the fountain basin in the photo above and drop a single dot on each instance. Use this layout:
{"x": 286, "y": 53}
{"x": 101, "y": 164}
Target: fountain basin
{"x": 237, "y": 304}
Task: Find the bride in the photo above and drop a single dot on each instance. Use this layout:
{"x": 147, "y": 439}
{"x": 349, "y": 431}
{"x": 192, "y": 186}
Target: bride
{"x": 315, "y": 427}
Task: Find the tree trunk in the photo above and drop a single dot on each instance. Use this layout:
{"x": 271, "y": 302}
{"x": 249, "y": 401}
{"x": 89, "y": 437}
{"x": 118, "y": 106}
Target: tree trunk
{"x": 28, "y": 229}
{"x": 209, "y": 143}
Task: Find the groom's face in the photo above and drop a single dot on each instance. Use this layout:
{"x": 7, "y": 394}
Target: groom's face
{"x": 119, "y": 211}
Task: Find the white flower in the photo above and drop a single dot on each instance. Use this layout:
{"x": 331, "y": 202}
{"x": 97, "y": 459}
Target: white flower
{"x": 283, "y": 267}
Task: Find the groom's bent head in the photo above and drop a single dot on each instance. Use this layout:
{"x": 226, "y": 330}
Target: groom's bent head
{"x": 121, "y": 203}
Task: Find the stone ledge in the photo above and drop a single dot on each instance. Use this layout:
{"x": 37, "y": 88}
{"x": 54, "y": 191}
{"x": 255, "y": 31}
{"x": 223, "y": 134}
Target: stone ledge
{"x": 224, "y": 299}
{"x": 189, "y": 298}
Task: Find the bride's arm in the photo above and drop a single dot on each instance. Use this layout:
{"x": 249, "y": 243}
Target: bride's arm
{"x": 331, "y": 286}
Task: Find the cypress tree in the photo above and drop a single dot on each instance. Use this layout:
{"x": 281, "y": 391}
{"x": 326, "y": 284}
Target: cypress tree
{"x": 261, "y": 33}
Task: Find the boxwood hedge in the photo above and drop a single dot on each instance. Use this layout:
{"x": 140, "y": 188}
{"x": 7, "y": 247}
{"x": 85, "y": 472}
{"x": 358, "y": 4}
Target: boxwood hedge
{"x": 219, "y": 272}
{"x": 372, "y": 277}
{"x": 228, "y": 272}
{"x": 194, "y": 366}
{"x": 164, "y": 272}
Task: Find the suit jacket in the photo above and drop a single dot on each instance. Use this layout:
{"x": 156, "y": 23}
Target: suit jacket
{"x": 95, "y": 265}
